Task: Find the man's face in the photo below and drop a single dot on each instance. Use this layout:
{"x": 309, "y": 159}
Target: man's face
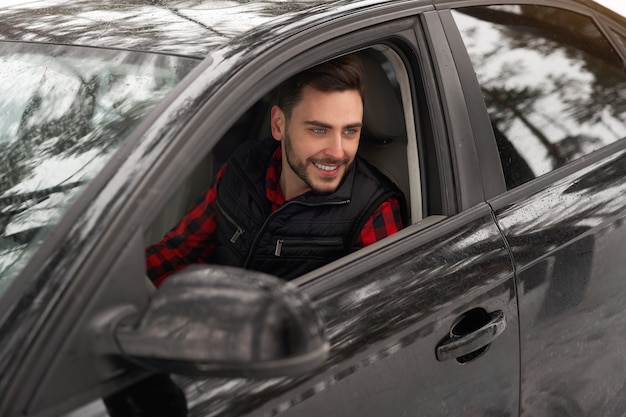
{"x": 319, "y": 141}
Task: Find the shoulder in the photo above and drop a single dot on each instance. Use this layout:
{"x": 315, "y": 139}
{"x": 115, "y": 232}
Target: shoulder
{"x": 253, "y": 156}
{"x": 383, "y": 189}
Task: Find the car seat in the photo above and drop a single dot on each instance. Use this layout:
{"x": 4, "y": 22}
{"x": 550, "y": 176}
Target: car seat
{"x": 384, "y": 139}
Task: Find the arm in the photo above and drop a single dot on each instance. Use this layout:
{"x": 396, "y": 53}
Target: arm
{"x": 385, "y": 221}
{"x": 191, "y": 241}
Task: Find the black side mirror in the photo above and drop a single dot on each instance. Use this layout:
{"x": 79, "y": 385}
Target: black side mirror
{"x": 222, "y": 321}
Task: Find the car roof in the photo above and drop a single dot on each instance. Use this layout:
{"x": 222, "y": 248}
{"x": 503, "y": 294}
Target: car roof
{"x": 183, "y": 27}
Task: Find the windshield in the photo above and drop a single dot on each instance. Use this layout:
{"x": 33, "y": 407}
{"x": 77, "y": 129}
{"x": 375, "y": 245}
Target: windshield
{"x": 63, "y": 112}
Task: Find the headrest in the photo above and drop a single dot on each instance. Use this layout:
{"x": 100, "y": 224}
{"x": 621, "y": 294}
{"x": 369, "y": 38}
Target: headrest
{"x": 383, "y": 117}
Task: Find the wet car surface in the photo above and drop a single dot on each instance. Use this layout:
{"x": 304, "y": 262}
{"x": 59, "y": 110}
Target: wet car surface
{"x": 503, "y": 125}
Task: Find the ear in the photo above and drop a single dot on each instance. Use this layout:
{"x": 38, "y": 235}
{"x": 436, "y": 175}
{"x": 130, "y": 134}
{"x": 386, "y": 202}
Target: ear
{"x": 278, "y": 123}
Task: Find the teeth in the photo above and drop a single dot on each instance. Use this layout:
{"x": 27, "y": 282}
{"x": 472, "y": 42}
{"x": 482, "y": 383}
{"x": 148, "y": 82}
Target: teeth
{"x": 326, "y": 167}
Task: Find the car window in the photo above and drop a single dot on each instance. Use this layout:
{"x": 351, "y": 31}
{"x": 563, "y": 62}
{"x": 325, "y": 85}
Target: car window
{"x": 387, "y": 143}
{"x": 554, "y": 87}
{"x": 63, "y": 112}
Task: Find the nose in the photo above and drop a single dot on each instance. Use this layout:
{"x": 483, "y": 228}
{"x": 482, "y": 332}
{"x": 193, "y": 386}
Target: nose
{"x": 334, "y": 148}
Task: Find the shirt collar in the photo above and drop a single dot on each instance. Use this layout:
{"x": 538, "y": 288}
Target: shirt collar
{"x": 273, "y": 191}
{"x": 275, "y": 195}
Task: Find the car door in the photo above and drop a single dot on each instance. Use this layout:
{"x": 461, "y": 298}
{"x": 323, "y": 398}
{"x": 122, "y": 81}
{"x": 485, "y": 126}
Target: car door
{"x": 424, "y": 322}
{"x": 553, "y": 80}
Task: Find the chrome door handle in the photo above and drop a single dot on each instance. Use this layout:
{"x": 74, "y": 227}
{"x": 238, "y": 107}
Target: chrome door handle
{"x": 471, "y": 335}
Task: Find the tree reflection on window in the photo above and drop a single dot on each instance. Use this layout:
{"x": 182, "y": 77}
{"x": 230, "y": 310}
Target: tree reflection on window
{"x": 63, "y": 113}
{"x": 554, "y": 87}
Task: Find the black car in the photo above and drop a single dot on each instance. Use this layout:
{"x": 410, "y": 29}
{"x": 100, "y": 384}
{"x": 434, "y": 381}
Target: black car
{"x": 503, "y": 122}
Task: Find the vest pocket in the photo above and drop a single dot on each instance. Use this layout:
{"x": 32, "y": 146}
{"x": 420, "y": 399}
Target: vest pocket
{"x": 234, "y": 231}
{"x": 313, "y": 247}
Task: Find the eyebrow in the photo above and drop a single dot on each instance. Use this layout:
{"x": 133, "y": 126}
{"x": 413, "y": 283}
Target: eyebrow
{"x": 327, "y": 126}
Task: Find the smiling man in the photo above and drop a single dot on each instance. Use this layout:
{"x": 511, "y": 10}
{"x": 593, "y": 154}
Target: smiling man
{"x": 296, "y": 201}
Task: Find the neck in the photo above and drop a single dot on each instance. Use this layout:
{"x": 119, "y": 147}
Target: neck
{"x": 293, "y": 191}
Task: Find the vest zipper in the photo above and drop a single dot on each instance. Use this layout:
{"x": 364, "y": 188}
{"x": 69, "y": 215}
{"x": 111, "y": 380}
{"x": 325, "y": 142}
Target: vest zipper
{"x": 236, "y": 235}
{"x": 278, "y": 249}
{"x": 239, "y": 230}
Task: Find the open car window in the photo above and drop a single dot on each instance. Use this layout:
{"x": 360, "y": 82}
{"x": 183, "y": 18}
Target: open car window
{"x": 64, "y": 111}
{"x": 388, "y": 141}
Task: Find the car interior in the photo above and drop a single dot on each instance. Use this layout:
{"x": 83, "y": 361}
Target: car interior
{"x": 388, "y": 140}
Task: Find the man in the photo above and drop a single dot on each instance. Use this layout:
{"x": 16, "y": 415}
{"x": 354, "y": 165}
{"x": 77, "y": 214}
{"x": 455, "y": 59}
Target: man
{"x": 290, "y": 204}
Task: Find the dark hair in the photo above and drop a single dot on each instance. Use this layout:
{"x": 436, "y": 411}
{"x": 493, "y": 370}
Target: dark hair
{"x": 340, "y": 74}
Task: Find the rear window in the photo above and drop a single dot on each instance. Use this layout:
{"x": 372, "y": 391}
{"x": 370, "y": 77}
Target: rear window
{"x": 554, "y": 86}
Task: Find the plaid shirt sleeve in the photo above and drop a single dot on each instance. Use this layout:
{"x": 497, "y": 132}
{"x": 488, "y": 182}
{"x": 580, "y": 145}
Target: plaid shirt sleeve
{"x": 191, "y": 241}
{"x": 385, "y": 221}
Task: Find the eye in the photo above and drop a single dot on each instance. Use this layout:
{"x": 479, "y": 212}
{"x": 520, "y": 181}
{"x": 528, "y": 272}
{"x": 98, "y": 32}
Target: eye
{"x": 350, "y": 132}
{"x": 318, "y": 130}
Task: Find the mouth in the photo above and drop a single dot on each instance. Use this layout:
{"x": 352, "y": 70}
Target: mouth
{"x": 326, "y": 168}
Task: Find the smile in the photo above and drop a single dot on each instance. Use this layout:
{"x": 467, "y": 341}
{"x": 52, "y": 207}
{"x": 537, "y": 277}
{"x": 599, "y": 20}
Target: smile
{"x": 326, "y": 167}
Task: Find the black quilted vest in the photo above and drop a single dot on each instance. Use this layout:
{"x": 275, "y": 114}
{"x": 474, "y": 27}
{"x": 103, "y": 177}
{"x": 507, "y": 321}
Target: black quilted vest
{"x": 304, "y": 233}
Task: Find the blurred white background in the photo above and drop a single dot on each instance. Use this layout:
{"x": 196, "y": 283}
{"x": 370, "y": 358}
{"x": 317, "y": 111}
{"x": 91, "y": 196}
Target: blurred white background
{"x": 618, "y": 5}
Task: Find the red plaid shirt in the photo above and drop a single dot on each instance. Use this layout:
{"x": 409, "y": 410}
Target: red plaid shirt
{"x": 193, "y": 241}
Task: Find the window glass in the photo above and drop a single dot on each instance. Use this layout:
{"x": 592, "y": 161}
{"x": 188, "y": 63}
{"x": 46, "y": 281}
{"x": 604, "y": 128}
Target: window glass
{"x": 63, "y": 112}
{"x": 554, "y": 87}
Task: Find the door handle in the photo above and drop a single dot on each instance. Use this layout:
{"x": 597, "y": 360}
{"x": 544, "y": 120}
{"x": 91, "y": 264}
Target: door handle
{"x": 471, "y": 335}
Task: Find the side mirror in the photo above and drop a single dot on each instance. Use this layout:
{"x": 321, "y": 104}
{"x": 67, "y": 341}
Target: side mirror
{"x": 222, "y": 321}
